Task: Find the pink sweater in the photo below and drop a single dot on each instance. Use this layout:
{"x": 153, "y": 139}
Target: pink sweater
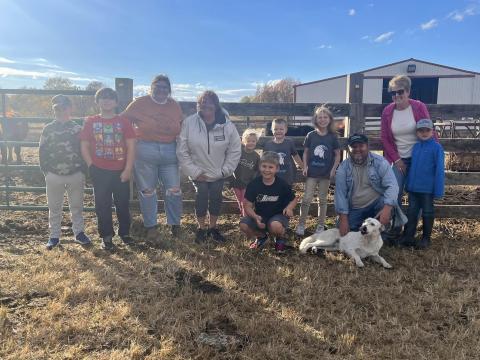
{"x": 389, "y": 148}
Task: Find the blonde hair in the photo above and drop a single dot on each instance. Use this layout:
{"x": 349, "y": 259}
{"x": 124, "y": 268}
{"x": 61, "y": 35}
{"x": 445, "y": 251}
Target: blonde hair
{"x": 400, "y": 81}
{"x": 332, "y": 127}
{"x": 247, "y": 133}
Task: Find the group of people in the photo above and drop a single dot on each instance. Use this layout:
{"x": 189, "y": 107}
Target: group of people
{"x": 152, "y": 141}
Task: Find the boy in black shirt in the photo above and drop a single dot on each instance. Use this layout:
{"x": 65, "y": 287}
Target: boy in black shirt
{"x": 269, "y": 203}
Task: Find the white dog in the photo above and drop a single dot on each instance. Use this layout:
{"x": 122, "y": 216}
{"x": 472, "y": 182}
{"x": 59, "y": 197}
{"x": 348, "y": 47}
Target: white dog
{"x": 358, "y": 245}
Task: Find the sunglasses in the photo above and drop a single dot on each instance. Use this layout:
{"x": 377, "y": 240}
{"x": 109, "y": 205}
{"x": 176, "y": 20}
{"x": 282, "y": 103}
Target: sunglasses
{"x": 396, "y": 92}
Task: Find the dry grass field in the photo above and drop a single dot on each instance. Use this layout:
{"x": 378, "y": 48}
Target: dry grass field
{"x": 174, "y": 299}
{"x": 168, "y": 300}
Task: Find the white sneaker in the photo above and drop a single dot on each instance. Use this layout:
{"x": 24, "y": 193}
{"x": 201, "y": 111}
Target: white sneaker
{"x": 320, "y": 228}
{"x": 300, "y": 230}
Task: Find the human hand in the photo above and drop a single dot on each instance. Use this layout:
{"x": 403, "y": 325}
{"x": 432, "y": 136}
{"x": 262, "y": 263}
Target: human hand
{"x": 259, "y": 222}
{"x": 305, "y": 170}
{"x": 202, "y": 177}
{"x": 400, "y": 165}
{"x": 288, "y": 212}
{"x": 343, "y": 226}
{"x": 385, "y": 215}
{"x": 125, "y": 175}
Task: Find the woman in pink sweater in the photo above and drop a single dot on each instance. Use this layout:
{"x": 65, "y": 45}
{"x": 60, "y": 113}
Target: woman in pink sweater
{"x": 398, "y": 128}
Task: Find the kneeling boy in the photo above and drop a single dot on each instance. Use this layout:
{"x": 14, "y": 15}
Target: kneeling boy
{"x": 269, "y": 203}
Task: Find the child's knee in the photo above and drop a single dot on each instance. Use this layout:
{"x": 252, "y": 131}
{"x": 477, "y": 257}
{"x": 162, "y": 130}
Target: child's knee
{"x": 173, "y": 191}
{"x": 245, "y": 228}
{"x": 147, "y": 193}
{"x": 276, "y": 228}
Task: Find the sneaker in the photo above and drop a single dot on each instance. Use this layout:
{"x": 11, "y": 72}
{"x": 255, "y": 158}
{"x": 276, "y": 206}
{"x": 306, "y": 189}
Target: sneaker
{"x": 280, "y": 246}
{"x": 320, "y": 228}
{"x": 152, "y": 234}
{"x": 82, "y": 239}
{"x": 216, "y": 236}
{"x": 259, "y": 243}
{"x": 107, "y": 243}
{"x": 127, "y": 240}
{"x": 175, "y": 229}
{"x": 200, "y": 236}
{"x": 52, "y": 242}
{"x": 300, "y": 230}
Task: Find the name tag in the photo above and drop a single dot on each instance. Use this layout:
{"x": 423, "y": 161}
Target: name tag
{"x": 219, "y": 138}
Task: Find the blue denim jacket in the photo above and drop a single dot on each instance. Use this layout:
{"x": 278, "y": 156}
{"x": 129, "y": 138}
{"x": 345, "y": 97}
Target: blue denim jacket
{"x": 381, "y": 177}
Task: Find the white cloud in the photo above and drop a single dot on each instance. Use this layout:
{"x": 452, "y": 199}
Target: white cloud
{"x": 384, "y": 37}
{"x": 460, "y": 15}
{"x": 429, "y": 24}
{"x": 36, "y": 74}
{"x": 324, "y": 46}
{"x": 190, "y": 92}
{"x": 351, "y": 12}
{"x": 6, "y": 61}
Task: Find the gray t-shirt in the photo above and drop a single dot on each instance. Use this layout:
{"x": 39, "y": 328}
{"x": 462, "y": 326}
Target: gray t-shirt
{"x": 285, "y": 150}
{"x": 321, "y": 153}
{"x": 363, "y": 194}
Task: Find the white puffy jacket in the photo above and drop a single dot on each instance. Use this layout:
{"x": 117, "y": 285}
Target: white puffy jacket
{"x": 214, "y": 153}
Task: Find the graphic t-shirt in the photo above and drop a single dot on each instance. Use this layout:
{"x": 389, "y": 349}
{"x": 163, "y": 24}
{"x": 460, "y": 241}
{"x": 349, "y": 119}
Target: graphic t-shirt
{"x": 246, "y": 170}
{"x": 321, "y": 153}
{"x": 285, "y": 150}
{"x": 269, "y": 200}
{"x": 108, "y": 147}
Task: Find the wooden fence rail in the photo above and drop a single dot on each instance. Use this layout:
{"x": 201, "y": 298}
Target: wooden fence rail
{"x": 355, "y": 113}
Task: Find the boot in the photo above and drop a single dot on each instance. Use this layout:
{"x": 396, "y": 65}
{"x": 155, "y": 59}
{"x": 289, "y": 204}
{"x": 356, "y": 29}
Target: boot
{"x": 408, "y": 239}
{"x": 427, "y": 233}
{"x": 392, "y": 237}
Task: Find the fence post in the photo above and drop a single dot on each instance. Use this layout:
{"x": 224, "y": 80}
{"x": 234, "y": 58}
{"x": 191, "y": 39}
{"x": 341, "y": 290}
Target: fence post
{"x": 4, "y": 149}
{"x": 124, "y": 89}
{"x": 356, "y": 121}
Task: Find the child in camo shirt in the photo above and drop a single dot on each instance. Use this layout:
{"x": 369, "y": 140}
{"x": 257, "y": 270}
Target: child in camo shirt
{"x": 62, "y": 164}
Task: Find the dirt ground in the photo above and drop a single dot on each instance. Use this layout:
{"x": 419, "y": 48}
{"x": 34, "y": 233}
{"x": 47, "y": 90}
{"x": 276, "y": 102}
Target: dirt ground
{"x": 174, "y": 299}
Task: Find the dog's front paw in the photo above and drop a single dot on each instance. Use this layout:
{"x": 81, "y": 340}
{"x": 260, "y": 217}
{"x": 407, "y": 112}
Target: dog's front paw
{"x": 359, "y": 264}
{"x": 314, "y": 249}
{"x": 387, "y": 266}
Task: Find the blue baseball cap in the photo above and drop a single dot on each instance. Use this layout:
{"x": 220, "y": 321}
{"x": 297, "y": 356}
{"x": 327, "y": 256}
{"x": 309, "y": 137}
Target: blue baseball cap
{"x": 424, "y": 124}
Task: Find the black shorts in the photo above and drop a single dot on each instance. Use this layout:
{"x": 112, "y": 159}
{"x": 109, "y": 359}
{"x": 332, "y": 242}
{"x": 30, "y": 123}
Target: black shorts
{"x": 282, "y": 219}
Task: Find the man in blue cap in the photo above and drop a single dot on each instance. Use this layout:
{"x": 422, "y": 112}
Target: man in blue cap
{"x": 365, "y": 186}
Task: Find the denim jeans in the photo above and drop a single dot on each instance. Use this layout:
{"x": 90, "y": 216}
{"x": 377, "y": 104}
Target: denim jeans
{"x": 105, "y": 184}
{"x": 417, "y": 202}
{"x": 357, "y": 216}
{"x": 156, "y": 162}
{"x": 401, "y": 178}
{"x": 209, "y": 196}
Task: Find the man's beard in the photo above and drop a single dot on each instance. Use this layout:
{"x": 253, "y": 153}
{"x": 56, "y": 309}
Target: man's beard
{"x": 358, "y": 159}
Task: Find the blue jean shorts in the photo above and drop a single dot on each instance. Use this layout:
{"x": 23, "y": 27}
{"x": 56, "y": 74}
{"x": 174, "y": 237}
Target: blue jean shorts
{"x": 252, "y": 224}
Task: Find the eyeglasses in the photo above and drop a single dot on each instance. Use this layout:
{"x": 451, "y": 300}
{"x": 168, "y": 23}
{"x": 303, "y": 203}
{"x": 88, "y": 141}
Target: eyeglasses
{"x": 396, "y": 92}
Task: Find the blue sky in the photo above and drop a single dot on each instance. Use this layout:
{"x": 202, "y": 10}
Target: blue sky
{"x": 227, "y": 46}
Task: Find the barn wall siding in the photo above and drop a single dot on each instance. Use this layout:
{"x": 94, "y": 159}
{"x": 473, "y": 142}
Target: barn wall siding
{"x": 455, "y": 90}
{"x": 331, "y": 91}
{"x": 421, "y": 70}
{"x": 372, "y": 91}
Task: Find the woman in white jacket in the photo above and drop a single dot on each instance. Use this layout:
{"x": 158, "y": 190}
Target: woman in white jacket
{"x": 208, "y": 150}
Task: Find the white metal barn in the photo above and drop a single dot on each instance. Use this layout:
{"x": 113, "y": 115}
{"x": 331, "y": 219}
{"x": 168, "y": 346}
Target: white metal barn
{"x": 431, "y": 83}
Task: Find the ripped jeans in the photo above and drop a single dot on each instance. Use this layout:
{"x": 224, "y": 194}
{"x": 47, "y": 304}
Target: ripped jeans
{"x": 157, "y": 162}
